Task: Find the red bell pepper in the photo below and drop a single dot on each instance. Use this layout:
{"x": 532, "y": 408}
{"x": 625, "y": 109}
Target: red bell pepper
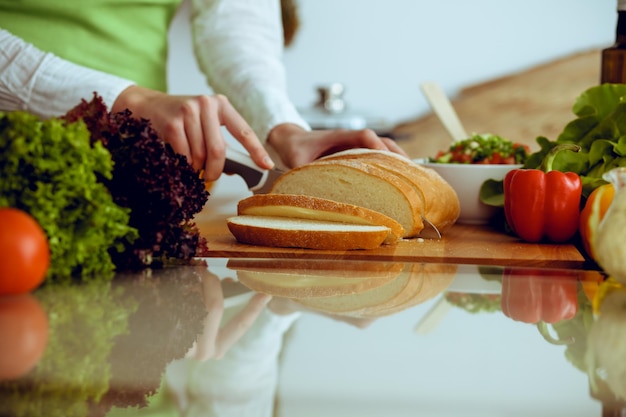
{"x": 534, "y": 296}
{"x": 542, "y": 203}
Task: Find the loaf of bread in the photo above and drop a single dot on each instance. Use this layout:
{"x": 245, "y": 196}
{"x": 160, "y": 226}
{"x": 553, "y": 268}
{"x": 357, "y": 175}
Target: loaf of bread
{"x": 310, "y": 278}
{"x": 345, "y": 201}
{"x": 356, "y": 182}
{"x": 440, "y": 202}
{"x": 416, "y": 284}
{"x": 347, "y": 288}
{"x": 410, "y": 291}
{"x": 304, "y": 233}
{"x": 320, "y": 209}
{"x": 427, "y": 282}
{"x": 379, "y": 180}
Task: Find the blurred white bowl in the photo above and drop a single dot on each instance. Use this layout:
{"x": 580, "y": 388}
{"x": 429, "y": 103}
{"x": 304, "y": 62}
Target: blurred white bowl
{"x": 466, "y": 179}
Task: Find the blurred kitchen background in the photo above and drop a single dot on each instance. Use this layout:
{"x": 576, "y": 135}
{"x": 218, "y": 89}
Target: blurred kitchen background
{"x": 381, "y": 51}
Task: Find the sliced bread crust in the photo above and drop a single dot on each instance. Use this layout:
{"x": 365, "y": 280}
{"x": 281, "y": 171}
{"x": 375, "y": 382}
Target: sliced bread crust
{"x": 436, "y": 278}
{"x": 299, "y": 278}
{"x": 315, "y": 208}
{"x": 303, "y": 233}
{"x": 347, "y": 304}
{"x": 413, "y": 287}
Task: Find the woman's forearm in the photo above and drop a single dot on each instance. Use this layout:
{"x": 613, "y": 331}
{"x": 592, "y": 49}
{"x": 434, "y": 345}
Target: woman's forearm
{"x": 239, "y": 47}
{"x": 46, "y": 85}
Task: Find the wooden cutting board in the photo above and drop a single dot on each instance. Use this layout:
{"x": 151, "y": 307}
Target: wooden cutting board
{"x": 462, "y": 244}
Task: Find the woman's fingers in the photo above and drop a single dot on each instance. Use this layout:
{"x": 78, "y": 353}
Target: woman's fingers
{"x": 393, "y": 146}
{"x": 173, "y": 131}
{"x": 193, "y": 126}
{"x": 213, "y": 140}
{"x": 338, "y": 140}
{"x": 241, "y": 130}
{"x": 191, "y": 113}
{"x": 214, "y": 302}
{"x": 215, "y": 112}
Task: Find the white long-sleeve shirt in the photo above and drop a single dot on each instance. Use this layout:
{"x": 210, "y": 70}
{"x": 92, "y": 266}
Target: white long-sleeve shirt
{"x": 238, "y": 45}
{"x": 45, "y": 84}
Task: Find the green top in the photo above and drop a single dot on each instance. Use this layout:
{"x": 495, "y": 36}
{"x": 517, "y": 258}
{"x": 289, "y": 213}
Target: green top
{"x": 127, "y": 38}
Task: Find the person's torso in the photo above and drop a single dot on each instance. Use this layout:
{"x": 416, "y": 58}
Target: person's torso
{"x": 127, "y": 38}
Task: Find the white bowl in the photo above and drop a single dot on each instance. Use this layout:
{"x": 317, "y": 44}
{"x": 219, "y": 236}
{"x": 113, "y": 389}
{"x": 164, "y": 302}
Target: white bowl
{"x": 466, "y": 179}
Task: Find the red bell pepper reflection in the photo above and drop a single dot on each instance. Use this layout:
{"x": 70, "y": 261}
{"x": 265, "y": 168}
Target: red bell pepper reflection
{"x": 534, "y": 296}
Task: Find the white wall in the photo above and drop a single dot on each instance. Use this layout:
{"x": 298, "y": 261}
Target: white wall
{"x": 383, "y": 49}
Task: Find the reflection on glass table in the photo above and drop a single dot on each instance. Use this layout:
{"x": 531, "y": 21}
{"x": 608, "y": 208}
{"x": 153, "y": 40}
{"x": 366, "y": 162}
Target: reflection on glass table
{"x": 273, "y": 337}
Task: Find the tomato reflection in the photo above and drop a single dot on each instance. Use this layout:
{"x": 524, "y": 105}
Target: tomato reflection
{"x": 23, "y": 335}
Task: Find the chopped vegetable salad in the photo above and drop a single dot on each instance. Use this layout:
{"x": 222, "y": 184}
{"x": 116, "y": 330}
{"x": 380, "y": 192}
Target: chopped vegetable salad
{"x": 483, "y": 149}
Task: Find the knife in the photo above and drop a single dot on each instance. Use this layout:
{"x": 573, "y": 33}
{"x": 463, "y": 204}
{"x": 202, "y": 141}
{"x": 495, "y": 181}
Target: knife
{"x": 429, "y": 231}
{"x": 258, "y": 180}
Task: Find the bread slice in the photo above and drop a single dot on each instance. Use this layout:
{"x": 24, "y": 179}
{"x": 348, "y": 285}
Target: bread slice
{"x": 312, "y": 278}
{"x": 355, "y": 182}
{"x": 440, "y": 202}
{"x": 416, "y": 284}
{"x": 303, "y": 233}
{"x": 347, "y": 304}
{"x": 409, "y": 292}
{"x": 435, "y": 279}
{"x": 314, "y": 208}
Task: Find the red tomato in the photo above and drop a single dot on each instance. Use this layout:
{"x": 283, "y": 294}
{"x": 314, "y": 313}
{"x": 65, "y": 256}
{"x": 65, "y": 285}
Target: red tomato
{"x": 24, "y": 252}
{"x": 496, "y": 158}
{"x": 23, "y": 334}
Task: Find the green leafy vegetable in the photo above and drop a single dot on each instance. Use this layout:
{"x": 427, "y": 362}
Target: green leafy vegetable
{"x": 50, "y": 170}
{"x": 599, "y": 129}
{"x": 107, "y": 190}
{"x": 576, "y": 330}
{"x": 475, "y": 303}
{"x": 139, "y": 357}
{"x": 162, "y": 190}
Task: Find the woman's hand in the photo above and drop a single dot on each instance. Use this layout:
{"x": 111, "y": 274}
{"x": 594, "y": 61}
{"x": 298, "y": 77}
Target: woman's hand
{"x": 217, "y": 337}
{"x": 297, "y": 146}
{"x": 192, "y": 125}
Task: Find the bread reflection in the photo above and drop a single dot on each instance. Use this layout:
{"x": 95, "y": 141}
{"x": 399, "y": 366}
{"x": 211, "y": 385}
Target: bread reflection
{"x": 24, "y": 333}
{"x": 304, "y": 278}
{"x": 356, "y": 289}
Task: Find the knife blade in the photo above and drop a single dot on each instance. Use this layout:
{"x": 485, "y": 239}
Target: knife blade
{"x": 429, "y": 231}
{"x": 258, "y": 180}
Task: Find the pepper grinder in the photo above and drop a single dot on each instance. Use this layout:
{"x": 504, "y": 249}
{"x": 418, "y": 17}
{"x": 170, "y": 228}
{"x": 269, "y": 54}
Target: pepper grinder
{"x": 614, "y": 58}
{"x": 331, "y": 111}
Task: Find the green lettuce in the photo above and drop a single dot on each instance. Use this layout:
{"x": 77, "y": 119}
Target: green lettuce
{"x": 51, "y": 170}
